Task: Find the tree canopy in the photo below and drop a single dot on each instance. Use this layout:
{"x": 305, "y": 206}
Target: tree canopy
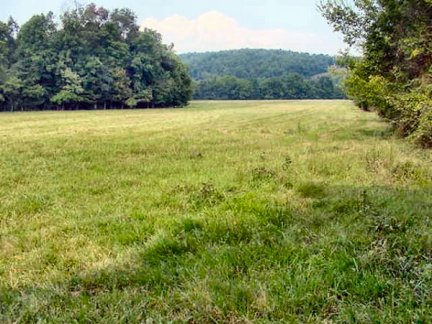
{"x": 394, "y": 76}
{"x": 288, "y": 86}
{"x": 94, "y": 59}
{"x": 255, "y": 63}
{"x": 262, "y": 74}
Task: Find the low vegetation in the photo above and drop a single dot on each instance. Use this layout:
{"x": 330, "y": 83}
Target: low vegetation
{"x": 224, "y": 212}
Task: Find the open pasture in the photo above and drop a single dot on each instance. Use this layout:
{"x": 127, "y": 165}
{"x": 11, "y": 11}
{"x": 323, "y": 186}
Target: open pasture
{"x": 221, "y": 212}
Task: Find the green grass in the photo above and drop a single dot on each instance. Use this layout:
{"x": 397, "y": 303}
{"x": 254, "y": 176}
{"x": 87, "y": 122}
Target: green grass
{"x": 295, "y": 211}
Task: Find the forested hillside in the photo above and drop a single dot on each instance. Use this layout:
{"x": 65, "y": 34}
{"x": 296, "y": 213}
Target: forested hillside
{"x": 93, "y": 59}
{"x": 255, "y": 63}
{"x": 261, "y": 74}
{"x": 394, "y": 77}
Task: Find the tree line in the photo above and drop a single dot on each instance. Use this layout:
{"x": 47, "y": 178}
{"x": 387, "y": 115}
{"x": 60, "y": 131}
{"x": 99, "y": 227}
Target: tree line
{"x": 288, "y": 86}
{"x": 262, "y": 74}
{"x": 394, "y": 75}
{"x": 94, "y": 59}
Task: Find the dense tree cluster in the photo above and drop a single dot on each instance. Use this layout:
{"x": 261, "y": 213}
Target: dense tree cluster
{"x": 288, "y": 86}
{"x": 394, "y": 76}
{"x": 255, "y": 63}
{"x": 261, "y": 74}
{"x": 95, "y": 59}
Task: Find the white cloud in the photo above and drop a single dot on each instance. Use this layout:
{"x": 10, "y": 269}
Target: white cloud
{"x": 214, "y": 30}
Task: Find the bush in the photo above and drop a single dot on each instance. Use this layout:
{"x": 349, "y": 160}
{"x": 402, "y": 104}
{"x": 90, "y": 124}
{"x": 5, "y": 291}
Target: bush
{"x": 415, "y": 116}
{"x": 423, "y": 134}
{"x": 407, "y": 106}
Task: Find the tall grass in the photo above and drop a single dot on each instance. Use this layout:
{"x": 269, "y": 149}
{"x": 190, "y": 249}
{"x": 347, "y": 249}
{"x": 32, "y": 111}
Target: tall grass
{"x": 223, "y": 212}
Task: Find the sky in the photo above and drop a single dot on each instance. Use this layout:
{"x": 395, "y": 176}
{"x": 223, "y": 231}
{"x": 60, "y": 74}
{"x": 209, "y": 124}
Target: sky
{"x": 208, "y": 25}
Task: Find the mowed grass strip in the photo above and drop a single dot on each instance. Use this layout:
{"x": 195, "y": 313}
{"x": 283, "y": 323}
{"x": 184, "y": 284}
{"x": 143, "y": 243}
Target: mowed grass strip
{"x": 222, "y": 212}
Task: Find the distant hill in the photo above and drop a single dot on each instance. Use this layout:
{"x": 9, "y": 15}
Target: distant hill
{"x": 262, "y": 74}
{"x": 255, "y": 63}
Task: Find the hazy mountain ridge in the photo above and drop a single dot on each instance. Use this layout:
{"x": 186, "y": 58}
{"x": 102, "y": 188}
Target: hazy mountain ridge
{"x": 255, "y": 63}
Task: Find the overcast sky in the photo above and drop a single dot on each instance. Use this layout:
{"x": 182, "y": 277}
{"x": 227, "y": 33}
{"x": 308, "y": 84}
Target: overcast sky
{"x": 207, "y": 25}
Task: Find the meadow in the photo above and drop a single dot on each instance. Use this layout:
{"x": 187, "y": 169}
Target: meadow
{"x": 236, "y": 212}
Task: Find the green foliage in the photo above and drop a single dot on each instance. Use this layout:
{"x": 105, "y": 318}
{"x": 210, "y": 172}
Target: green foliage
{"x": 34, "y": 93}
{"x": 394, "y": 76}
{"x": 255, "y": 63}
{"x": 7, "y": 42}
{"x": 225, "y": 87}
{"x": 121, "y": 85}
{"x": 12, "y": 89}
{"x": 145, "y": 96}
{"x": 131, "y": 102}
{"x": 95, "y": 58}
{"x": 261, "y": 74}
{"x": 414, "y": 115}
{"x": 72, "y": 91}
{"x": 289, "y": 86}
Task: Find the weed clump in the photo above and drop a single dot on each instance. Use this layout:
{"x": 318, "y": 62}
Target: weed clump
{"x": 375, "y": 160}
{"x": 405, "y": 171}
{"x": 311, "y": 190}
{"x": 207, "y": 195}
{"x": 287, "y": 163}
{"x": 262, "y": 174}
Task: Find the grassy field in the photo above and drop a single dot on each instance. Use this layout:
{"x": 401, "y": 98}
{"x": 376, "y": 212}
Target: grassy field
{"x": 222, "y": 212}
